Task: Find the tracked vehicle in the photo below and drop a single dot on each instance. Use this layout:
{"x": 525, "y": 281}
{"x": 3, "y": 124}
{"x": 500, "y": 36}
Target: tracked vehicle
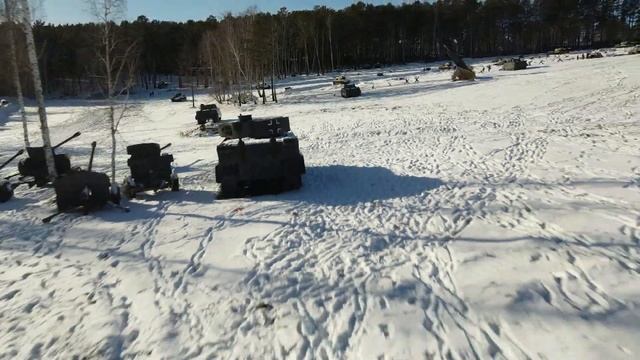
{"x": 514, "y": 64}
{"x": 350, "y": 90}
{"x": 208, "y": 114}
{"x": 258, "y": 156}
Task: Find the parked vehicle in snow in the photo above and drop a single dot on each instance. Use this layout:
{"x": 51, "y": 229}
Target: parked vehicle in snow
{"x": 350, "y": 90}
{"x": 208, "y": 113}
{"x": 594, "y": 55}
{"x": 514, "y": 64}
{"x": 179, "y": 97}
{"x": 258, "y": 156}
{"x": 341, "y": 80}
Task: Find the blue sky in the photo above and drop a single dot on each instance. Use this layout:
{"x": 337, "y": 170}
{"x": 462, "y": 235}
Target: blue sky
{"x": 73, "y": 11}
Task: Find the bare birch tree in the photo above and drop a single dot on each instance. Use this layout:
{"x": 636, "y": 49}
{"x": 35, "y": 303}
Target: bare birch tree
{"x": 10, "y": 12}
{"x": 116, "y": 62}
{"x": 25, "y": 17}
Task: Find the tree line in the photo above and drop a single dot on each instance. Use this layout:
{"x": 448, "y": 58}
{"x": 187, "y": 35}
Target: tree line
{"x": 251, "y": 47}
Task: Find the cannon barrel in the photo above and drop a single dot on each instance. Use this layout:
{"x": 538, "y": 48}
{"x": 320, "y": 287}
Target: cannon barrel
{"x": 93, "y": 152}
{"x": 166, "y": 146}
{"x": 454, "y": 56}
{"x": 67, "y": 140}
{"x": 20, "y": 152}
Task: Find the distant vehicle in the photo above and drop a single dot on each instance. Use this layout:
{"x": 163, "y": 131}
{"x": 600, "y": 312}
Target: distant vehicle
{"x": 350, "y": 90}
{"x": 179, "y": 97}
{"x": 445, "y": 66}
{"x": 4, "y": 103}
{"x": 594, "y": 55}
{"x": 514, "y": 64}
{"x": 561, "y": 50}
{"x": 162, "y": 85}
{"x": 380, "y": 74}
{"x": 625, "y": 44}
{"x": 208, "y": 113}
{"x": 263, "y": 86}
{"x": 341, "y": 80}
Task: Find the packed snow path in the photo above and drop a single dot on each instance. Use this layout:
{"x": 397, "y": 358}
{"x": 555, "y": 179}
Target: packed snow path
{"x": 438, "y": 220}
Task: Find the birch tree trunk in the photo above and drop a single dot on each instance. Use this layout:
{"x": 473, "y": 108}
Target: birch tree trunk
{"x": 37, "y": 86}
{"x": 16, "y": 71}
{"x": 329, "y": 27}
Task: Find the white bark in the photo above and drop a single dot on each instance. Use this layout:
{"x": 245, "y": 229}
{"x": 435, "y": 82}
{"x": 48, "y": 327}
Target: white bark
{"x": 9, "y": 9}
{"x": 37, "y": 86}
{"x": 117, "y": 68}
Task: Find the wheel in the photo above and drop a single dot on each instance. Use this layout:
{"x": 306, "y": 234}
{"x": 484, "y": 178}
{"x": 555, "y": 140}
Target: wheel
{"x": 175, "y": 184}
{"x": 128, "y": 190}
{"x": 6, "y": 192}
{"x": 116, "y": 194}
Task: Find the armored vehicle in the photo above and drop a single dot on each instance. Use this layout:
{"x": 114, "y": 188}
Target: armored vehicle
{"x": 150, "y": 170}
{"x": 350, "y": 90}
{"x": 514, "y": 64}
{"x": 258, "y": 156}
{"x": 594, "y": 55}
{"x": 341, "y": 80}
{"x": 36, "y": 166}
{"x": 208, "y": 113}
{"x": 179, "y": 97}
{"x": 445, "y": 66}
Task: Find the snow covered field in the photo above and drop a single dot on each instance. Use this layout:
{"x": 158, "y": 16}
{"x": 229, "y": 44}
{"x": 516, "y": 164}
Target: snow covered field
{"x": 491, "y": 219}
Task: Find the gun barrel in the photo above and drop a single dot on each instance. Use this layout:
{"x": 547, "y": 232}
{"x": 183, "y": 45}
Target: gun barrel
{"x": 166, "y": 146}
{"x": 67, "y": 140}
{"x": 93, "y": 151}
{"x": 20, "y": 152}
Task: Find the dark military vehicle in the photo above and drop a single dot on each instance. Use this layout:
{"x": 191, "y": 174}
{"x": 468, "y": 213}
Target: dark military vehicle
{"x": 179, "y": 97}
{"x": 208, "y": 113}
{"x": 258, "y": 156}
{"x": 341, "y": 80}
{"x": 594, "y": 55}
{"x": 514, "y": 64}
{"x": 350, "y": 90}
{"x": 35, "y": 165}
{"x": 150, "y": 170}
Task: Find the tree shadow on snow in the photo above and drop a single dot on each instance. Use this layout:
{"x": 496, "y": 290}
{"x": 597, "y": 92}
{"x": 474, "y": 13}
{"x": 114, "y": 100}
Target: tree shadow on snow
{"x": 339, "y": 185}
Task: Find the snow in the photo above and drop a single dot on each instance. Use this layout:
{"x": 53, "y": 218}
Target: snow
{"x": 491, "y": 219}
